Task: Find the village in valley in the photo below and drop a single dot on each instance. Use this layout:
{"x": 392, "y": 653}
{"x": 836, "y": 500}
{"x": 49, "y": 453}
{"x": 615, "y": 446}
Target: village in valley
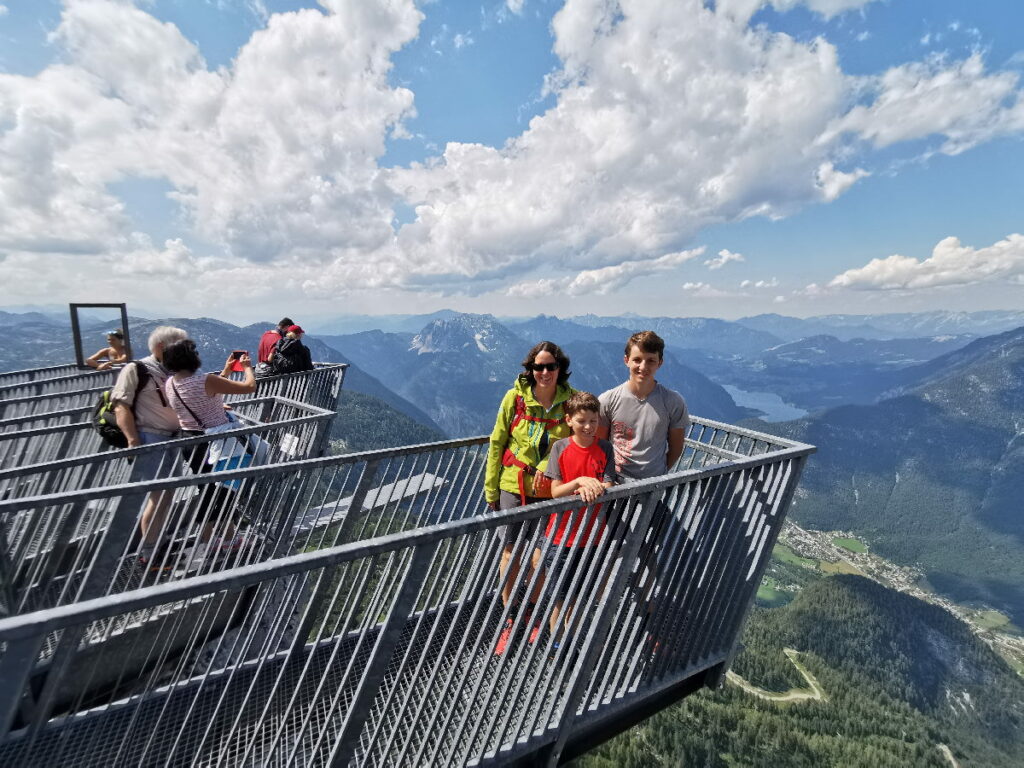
{"x": 844, "y": 552}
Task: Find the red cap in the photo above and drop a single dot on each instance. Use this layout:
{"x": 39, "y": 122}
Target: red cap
{"x": 295, "y": 329}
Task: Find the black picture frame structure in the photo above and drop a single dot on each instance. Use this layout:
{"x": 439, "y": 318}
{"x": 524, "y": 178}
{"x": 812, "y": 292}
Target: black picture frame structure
{"x": 76, "y": 330}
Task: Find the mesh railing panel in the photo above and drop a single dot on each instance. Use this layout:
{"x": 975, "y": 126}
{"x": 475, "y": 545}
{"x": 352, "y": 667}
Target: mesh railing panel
{"x": 70, "y": 382}
{"x": 370, "y": 636}
{"x": 59, "y": 546}
{"x": 36, "y": 374}
{"x": 319, "y": 388}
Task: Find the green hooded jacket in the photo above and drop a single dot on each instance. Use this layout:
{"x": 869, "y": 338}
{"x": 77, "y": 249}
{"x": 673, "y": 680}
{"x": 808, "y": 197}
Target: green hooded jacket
{"x": 527, "y": 441}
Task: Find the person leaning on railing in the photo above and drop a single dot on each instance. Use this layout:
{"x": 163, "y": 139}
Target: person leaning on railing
{"x": 646, "y": 423}
{"x": 145, "y": 417}
{"x": 111, "y": 355}
{"x": 530, "y": 419}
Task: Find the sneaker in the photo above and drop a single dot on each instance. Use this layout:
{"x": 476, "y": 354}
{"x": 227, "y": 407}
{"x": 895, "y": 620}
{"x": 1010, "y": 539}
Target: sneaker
{"x": 505, "y": 636}
{"x": 512, "y": 630}
{"x": 227, "y": 544}
{"x": 160, "y": 559}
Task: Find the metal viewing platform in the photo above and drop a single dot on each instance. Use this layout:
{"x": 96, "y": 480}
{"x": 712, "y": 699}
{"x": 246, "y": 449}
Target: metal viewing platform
{"x": 360, "y": 623}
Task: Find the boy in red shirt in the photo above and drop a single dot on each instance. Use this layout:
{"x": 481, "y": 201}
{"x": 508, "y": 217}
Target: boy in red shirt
{"x": 585, "y": 466}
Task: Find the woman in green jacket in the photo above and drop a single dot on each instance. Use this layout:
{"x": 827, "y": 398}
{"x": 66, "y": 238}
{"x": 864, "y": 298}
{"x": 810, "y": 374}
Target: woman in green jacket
{"x": 530, "y": 419}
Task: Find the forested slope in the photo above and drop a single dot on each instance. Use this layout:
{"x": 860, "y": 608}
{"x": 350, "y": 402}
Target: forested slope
{"x": 901, "y": 677}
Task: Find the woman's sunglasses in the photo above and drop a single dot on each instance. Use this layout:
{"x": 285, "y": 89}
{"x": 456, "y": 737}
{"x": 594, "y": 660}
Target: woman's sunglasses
{"x": 543, "y": 366}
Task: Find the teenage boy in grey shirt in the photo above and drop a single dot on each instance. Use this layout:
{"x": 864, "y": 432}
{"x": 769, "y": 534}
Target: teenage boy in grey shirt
{"x": 645, "y": 422}
{"x": 647, "y": 426}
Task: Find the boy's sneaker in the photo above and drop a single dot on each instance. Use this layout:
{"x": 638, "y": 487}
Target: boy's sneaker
{"x": 505, "y": 637}
{"x": 512, "y": 630}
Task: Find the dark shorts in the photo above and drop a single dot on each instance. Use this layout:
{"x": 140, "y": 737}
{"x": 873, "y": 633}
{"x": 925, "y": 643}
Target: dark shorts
{"x": 510, "y": 533}
{"x": 561, "y": 565}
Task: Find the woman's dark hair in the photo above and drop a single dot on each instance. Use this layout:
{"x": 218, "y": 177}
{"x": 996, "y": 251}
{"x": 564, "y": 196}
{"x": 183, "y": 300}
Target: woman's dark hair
{"x": 560, "y": 357}
{"x": 181, "y": 356}
{"x": 118, "y": 334}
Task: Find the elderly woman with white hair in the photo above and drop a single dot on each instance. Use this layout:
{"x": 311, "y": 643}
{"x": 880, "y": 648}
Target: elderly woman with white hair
{"x": 145, "y": 417}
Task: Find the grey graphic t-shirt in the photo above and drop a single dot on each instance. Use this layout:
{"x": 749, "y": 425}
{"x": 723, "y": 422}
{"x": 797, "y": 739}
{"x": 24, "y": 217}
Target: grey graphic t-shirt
{"x": 638, "y": 429}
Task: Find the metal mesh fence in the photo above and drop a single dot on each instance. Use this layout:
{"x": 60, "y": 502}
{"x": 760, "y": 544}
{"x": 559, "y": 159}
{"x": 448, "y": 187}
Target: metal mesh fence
{"x": 36, "y": 374}
{"x": 369, "y": 629}
{"x": 74, "y": 395}
{"x": 70, "y": 527}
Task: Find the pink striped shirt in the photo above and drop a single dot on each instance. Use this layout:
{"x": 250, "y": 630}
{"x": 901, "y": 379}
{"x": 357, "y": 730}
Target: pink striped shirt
{"x": 191, "y": 391}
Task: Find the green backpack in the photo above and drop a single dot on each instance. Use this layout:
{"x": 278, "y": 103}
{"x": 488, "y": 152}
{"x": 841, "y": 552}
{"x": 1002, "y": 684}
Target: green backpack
{"x": 104, "y": 420}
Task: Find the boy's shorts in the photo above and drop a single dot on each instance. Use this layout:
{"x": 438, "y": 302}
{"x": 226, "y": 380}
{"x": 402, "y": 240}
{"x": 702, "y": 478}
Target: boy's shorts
{"x": 562, "y": 566}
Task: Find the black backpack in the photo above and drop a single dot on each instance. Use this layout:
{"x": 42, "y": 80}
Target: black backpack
{"x": 286, "y": 357}
{"x": 104, "y": 419}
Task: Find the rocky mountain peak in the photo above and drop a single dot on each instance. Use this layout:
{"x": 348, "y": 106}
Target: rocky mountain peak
{"x": 481, "y": 333}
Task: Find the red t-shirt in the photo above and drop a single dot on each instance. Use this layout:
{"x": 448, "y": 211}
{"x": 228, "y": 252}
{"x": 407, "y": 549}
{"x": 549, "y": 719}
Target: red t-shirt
{"x": 267, "y": 342}
{"x": 566, "y": 462}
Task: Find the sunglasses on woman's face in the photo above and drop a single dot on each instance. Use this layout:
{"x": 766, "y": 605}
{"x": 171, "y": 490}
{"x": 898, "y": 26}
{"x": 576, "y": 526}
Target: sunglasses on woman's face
{"x": 543, "y": 366}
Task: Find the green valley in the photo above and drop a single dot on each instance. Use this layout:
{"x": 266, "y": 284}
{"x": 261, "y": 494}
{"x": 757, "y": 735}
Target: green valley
{"x": 848, "y": 674}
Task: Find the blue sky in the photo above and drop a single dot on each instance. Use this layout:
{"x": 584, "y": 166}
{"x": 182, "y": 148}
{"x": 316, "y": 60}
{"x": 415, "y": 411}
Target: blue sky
{"x": 240, "y": 158}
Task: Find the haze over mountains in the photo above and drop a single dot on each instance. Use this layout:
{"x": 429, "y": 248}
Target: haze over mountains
{"x": 919, "y": 439}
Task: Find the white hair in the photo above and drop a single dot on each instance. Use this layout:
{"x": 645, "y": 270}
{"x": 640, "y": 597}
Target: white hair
{"x": 165, "y": 334}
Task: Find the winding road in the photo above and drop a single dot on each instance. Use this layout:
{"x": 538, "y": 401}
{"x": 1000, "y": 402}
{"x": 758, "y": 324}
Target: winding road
{"x": 816, "y": 693}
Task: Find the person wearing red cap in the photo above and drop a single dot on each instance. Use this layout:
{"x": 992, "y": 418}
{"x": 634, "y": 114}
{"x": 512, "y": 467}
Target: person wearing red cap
{"x": 270, "y": 338}
{"x": 290, "y": 354}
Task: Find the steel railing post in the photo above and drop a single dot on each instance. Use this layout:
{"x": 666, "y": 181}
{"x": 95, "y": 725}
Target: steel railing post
{"x": 383, "y": 650}
{"x": 595, "y": 638}
{"x": 716, "y": 676}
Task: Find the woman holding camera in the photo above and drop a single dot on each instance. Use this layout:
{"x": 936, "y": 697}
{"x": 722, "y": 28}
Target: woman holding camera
{"x": 197, "y": 397}
{"x": 198, "y": 400}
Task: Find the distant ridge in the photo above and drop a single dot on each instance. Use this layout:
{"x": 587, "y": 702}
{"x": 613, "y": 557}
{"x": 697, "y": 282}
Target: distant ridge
{"x": 933, "y": 476}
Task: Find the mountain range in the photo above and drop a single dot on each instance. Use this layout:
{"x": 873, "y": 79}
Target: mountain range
{"x": 457, "y": 369}
{"x": 933, "y": 475}
{"x": 888, "y": 326}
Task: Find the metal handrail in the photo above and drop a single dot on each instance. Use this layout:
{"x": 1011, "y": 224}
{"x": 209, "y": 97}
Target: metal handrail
{"x": 370, "y": 639}
{"x": 320, "y": 387}
{"x": 58, "y": 384}
{"x": 37, "y": 374}
{"x": 61, "y": 549}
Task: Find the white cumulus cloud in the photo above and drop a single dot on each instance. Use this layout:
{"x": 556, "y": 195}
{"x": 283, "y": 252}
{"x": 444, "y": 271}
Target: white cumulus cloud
{"x": 724, "y": 257}
{"x": 959, "y": 102}
{"x": 951, "y": 263}
{"x": 701, "y": 290}
{"x": 273, "y": 157}
{"x": 770, "y": 283}
{"x": 665, "y": 118}
{"x": 606, "y": 279}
